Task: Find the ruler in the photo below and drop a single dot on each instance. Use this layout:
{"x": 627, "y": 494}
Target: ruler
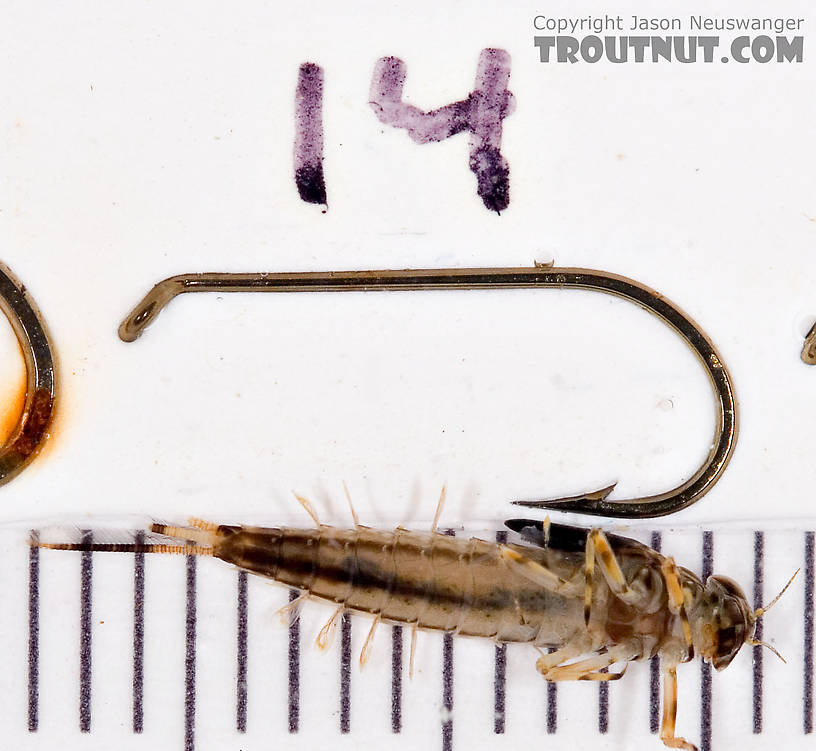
{"x": 183, "y": 653}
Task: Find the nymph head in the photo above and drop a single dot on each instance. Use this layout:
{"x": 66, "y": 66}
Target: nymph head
{"x": 725, "y": 621}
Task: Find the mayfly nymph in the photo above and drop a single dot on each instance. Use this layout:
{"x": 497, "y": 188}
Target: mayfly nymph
{"x": 596, "y": 599}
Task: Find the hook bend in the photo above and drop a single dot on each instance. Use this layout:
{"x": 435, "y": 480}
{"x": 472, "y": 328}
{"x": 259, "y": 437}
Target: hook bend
{"x": 31, "y": 430}
{"x": 538, "y": 276}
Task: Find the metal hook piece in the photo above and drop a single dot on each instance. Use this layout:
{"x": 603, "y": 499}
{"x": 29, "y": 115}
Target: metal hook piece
{"x": 809, "y": 348}
{"x": 31, "y": 430}
{"x": 725, "y": 432}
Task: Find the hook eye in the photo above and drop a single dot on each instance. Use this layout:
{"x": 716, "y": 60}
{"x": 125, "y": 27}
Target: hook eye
{"x": 809, "y": 348}
{"x": 31, "y": 430}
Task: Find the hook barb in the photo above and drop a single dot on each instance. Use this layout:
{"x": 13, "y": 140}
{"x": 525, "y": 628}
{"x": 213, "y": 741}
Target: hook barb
{"x": 582, "y": 502}
{"x": 538, "y": 276}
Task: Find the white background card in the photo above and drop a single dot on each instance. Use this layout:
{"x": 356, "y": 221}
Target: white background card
{"x": 138, "y": 141}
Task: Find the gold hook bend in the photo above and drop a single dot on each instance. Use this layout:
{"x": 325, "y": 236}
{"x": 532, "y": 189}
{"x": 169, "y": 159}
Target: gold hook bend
{"x": 31, "y": 430}
{"x": 725, "y": 432}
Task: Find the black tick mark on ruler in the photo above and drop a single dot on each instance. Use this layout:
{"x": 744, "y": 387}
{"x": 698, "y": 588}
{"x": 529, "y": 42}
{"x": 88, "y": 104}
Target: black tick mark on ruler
{"x": 552, "y": 705}
{"x": 294, "y": 665}
{"x": 33, "y": 634}
{"x": 500, "y": 673}
{"x": 756, "y": 652}
{"x": 705, "y": 670}
{"x": 654, "y": 666}
{"x": 396, "y": 679}
{"x": 447, "y": 684}
{"x": 808, "y": 678}
{"x": 241, "y": 680}
{"x": 190, "y": 658}
{"x": 85, "y": 662}
{"x": 345, "y": 673}
{"x": 138, "y": 636}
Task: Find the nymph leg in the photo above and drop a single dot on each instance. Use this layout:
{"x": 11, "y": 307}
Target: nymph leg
{"x": 670, "y": 712}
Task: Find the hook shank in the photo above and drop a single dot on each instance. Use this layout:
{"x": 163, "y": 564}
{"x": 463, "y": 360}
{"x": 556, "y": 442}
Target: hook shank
{"x": 32, "y": 426}
{"x": 596, "y": 503}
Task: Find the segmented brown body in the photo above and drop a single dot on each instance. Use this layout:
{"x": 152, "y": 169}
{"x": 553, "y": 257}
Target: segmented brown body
{"x": 465, "y": 586}
{"x": 598, "y": 599}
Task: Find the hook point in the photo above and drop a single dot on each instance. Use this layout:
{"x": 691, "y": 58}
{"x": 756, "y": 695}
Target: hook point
{"x": 580, "y": 502}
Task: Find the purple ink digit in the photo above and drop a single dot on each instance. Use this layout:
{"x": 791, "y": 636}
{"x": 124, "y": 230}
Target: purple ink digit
{"x": 422, "y": 127}
{"x": 309, "y": 134}
{"x": 481, "y": 114}
{"x": 491, "y": 102}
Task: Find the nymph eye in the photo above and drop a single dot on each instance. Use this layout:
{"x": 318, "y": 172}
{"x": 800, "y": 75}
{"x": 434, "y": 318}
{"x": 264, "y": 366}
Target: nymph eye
{"x": 728, "y": 639}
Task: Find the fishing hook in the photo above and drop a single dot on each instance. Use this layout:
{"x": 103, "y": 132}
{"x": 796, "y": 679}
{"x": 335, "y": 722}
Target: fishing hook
{"x": 31, "y": 430}
{"x": 809, "y": 348}
{"x": 540, "y": 275}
